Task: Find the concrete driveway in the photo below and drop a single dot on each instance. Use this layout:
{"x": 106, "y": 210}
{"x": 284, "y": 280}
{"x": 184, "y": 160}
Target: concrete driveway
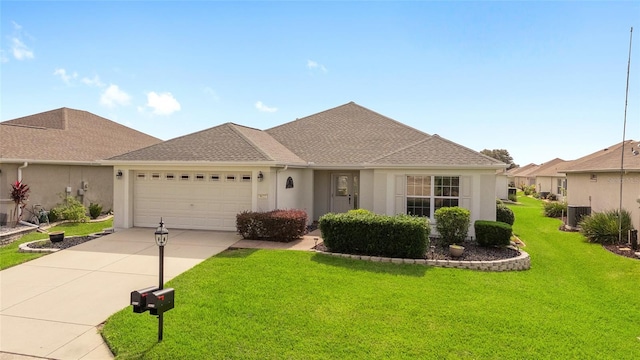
{"x": 51, "y": 307}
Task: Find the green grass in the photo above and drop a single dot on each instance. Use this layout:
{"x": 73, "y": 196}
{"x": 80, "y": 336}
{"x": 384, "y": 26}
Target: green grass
{"x": 9, "y": 255}
{"x": 578, "y": 301}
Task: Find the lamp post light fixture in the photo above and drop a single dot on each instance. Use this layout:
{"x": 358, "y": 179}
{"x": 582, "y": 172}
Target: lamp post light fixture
{"x": 162, "y": 235}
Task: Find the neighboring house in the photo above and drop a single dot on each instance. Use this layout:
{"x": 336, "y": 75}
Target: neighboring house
{"x": 550, "y": 178}
{"x": 595, "y": 180}
{"x": 343, "y": 158}
{"x": 502, "y": 184}
{"x": 57, "y": 153}
{"x": 522, "y": 175}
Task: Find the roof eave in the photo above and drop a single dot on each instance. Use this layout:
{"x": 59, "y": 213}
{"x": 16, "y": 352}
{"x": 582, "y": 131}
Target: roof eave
{"x": 52, "y": 162}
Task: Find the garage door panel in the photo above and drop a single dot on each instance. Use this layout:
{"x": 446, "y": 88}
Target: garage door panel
{"x": 190, "y": 204}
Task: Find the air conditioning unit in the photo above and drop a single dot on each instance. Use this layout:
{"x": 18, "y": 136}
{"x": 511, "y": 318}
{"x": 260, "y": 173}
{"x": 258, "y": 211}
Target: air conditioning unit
{"x": 576, "y": 213}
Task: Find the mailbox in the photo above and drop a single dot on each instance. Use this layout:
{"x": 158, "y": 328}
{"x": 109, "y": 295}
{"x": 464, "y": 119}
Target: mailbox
{"x": 139, "y": 299}
{"x": 160, "y": 301}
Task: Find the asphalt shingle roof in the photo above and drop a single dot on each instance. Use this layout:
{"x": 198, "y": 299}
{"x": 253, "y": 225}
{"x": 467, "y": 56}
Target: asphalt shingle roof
{"x": 67, "y": 135}
{"x": 608, "y": 159}
{"x": 551, "y": 168}
{"x": 223, "y": 143}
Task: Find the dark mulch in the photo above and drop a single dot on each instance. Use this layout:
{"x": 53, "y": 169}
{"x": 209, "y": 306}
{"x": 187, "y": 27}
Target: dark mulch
{"x": 620, "y": 250}
{"x": 64, "y": 244}
{"x": 472, "y": 252}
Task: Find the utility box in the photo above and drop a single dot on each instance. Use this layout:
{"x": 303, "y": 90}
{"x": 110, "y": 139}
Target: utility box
{"x": 139, "y": 299}
{"x": 160, "y": 301}
{"x": 633, "y": 239}
{"x": 576, "y": 213}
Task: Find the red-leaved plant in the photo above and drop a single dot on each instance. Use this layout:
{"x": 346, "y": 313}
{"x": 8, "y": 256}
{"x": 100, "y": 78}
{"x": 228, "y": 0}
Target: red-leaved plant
{"x": 19, "y": 195}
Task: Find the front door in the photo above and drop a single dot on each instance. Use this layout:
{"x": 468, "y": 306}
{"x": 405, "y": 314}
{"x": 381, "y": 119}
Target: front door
{"x": 344, "y": 192}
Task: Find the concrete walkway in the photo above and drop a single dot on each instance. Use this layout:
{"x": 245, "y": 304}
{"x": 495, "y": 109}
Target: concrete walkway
{"x": 51, "y": 307}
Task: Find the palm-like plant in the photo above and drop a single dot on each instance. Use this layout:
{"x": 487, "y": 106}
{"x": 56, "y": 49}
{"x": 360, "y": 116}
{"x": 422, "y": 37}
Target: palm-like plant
{"x": 19, "y": 195}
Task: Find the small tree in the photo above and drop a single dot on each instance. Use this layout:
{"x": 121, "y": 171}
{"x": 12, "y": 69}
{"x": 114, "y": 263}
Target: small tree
{"x": 19, "y": 195}
{"x": 452, "y": 224}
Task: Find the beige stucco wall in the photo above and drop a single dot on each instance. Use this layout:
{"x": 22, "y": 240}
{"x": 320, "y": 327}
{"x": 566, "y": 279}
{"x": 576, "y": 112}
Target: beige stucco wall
{"x": 502, "y": 186}
{"x": 49, "y": 182}
{"x": 301, "y": 195}
{"x": 603, "y": 193}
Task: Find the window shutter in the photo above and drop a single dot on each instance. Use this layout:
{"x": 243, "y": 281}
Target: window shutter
{"x": 465, "y": 192}
{"x": 400, "y": 201}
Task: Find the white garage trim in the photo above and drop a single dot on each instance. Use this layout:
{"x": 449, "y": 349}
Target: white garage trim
{"x": 191, "y": 200}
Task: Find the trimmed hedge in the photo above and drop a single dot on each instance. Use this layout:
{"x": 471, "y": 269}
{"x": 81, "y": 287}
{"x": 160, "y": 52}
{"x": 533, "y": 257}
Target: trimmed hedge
{"x": 276, "y": 225}
{"x": 452, "y": 224}
{"x": 505, "y": 215}
{"x": 400, "y": 236}
{"x": 492, "y": 233}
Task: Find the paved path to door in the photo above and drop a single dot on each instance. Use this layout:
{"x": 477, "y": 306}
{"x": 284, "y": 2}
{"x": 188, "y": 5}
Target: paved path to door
{"x": 51, "y": 307}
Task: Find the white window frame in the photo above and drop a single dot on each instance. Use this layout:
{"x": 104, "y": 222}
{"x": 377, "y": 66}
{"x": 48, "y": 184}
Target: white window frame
{"x": 432, "y": 197}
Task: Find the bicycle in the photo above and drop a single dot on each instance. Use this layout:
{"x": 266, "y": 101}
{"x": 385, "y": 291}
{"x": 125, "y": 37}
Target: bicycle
{"x": 39, "y": 215}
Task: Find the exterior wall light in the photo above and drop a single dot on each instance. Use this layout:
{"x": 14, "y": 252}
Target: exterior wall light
{"x": 119, "y": 174}
{"x": 260, "y": 176}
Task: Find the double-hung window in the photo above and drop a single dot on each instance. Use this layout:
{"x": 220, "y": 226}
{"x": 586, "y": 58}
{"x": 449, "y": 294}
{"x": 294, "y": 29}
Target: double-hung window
{"x": 428, "y": 193}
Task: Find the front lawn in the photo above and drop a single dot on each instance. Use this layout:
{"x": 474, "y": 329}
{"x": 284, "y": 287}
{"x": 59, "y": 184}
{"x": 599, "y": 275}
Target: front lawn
{"x": 578, "y": 301}
{"x": 9, "y": 255}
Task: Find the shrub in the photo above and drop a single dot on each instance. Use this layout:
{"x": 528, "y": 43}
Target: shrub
{"x": 276, "y": 225}
{"x": 363, "y": 212}
{"x": 71, "y": 209}
{"x": 529, "y": 190}
{"x": 452, "y": 224}
{"x": 555, "y": 209}
{"x": 492, "y": 233}
{"x": 603, "y": 227}
{"x": 499, "y": 202}
{"x": 95, "y": 210}
{"x": 400, "y": 236}
{"x": 513, "y": 197}
{"x": 505, "y": 215}
{"x": 55, "y": 214}
{"x": 552, "y": 197}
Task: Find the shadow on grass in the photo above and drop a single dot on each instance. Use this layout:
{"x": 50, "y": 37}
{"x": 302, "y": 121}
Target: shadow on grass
{"x": 236, "y": 253}
{"x": 413, "y": 270}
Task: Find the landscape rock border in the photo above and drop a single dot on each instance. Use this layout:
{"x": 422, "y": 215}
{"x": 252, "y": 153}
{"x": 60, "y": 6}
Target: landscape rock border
{"x": 518, "y": 263}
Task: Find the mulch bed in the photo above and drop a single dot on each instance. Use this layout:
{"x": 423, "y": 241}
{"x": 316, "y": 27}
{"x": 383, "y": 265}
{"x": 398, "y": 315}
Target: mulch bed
{"x": 620, "y": 250}
{"x": 472, "y": 252}
{"x": 64, "y": 244}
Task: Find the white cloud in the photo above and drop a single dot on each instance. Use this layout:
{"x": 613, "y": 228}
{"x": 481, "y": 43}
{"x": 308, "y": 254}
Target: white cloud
{"x": 162, "y": 104}
{"x": 20, "y": 50}
{"x": 313, "y": 65}
{"x": 64, "y": 76}
{"x": 113, "y": 96}
{"x": 264, "y": 108}
{"x": 95, "y": 81}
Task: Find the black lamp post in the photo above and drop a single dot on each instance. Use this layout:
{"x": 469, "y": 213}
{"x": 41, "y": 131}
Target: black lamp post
{"x": 162, "y": 235}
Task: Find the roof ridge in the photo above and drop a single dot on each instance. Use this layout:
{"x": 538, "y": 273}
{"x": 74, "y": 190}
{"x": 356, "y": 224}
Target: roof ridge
{"x": 401, "y": 149}
{"x": 250, "y": 142}
{"x": 469, "y": 149}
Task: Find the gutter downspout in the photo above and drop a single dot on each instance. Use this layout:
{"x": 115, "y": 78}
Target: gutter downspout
{"x": 277, "y": 171}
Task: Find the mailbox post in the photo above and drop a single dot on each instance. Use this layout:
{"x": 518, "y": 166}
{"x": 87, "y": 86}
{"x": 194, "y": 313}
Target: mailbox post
{"x": 162, "y": 235}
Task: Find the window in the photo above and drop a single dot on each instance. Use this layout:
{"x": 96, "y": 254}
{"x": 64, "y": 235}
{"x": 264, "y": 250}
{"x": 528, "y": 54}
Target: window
{"x": 426, "y": 194}
{"x": 169, "y": 176}
{"x": 142, "y": 176}
{"x": 214, "y": 177}
{"x": 199, "y": 177}
{"x": 246, "y": 178}
{"x": 230, "y": 178}
{"x": 155, "y": 176}
{"x": 561, "y": 186}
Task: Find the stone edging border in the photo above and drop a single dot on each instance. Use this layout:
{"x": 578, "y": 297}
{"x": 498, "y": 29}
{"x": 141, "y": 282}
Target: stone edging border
{"x": 24, "y": 247}
{"x": 518, "y": 263}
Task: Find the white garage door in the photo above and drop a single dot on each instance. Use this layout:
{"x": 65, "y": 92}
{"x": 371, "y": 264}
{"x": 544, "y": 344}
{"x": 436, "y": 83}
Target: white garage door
{"x": 189, "y": 200}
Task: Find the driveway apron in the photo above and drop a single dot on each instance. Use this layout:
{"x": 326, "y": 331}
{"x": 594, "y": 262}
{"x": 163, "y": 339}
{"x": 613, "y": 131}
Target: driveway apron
{"x": 51, "y": 307}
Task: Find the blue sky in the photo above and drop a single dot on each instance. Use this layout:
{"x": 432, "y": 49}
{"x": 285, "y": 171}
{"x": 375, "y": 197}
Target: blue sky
{"x": 540, "y": 79}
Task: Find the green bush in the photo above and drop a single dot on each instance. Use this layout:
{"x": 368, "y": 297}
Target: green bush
{"x": 400, "y": 236}
{"x": 95, "y": 210}
{"x": 603, "y": 227}
{"x": 505, "y": 215}
{"x": 360, "y": 212}
{"x": 452, "y": 224}
{"x": 492, "y": 233}
{"x": 513, "y": 197}
{"x": 71, "y": 209}
{"x": 529, "y": 190}
{"x": 552, "y": 197}
{"x": 499, "y": 202}
{"x": 555, "y": 209}
{"x": 55, "y": 214}
{"x": 276, "y": 225}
